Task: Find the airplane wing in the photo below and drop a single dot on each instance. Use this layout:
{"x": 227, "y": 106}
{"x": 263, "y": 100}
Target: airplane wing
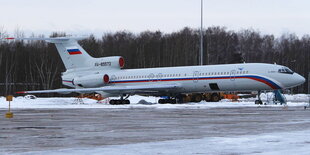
{"x": 113, "y": 89}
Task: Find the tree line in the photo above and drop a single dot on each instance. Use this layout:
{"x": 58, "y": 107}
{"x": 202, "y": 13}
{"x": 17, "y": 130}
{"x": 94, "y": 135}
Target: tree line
{"x": 31, "y": 65}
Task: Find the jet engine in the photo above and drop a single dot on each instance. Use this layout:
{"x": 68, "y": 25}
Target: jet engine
{"x": 115, "y": 62}
{"x": 92, "y": 81}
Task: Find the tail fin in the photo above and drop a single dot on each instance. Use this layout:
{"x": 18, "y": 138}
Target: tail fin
{"x": 72, "y": 54}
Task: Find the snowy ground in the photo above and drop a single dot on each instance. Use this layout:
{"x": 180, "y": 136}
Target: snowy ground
{"x": 141, "y": 102}
{"x": 61, "y": 126}
{"x": 268, "y": 144}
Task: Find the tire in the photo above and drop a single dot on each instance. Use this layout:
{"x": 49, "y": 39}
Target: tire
{"x": 161, "y": 101}
{"x": 197, "y": 98}
{"x": 173, "y": 101}
{"x": 258, "y": 102}
{"x": 125, "y": 102}
{"x": 112, "y": 102}
{"x": 215, "y": 97}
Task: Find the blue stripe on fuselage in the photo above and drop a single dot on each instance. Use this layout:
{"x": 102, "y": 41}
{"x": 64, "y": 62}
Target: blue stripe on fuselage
{"x": 253, "y": 77}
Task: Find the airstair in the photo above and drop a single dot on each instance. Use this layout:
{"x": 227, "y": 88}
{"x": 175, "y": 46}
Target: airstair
{"x": 276, "y": 97}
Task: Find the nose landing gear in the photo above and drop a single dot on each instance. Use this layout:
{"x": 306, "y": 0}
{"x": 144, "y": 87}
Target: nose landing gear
{"x": 259, "y": 101}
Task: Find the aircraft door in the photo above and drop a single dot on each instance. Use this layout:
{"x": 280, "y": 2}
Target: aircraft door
{"x": 151, "y": 77}
{"x": 113, "y": 78}
{"x": 232, "y": 79}
{"x": 195, "y": 77}
{"x": 232, "y": 75}
{"x": 159, "y": 77}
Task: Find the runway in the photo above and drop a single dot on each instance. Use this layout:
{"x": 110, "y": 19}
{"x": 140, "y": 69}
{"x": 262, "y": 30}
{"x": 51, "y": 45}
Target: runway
{"x": 54, "y": 129}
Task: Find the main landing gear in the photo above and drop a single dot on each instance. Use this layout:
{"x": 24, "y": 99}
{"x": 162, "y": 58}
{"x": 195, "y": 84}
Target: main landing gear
{"x": 173, "y": 100}
{"x": 121, "y": 101}
{"x": 195, "y": 97}
{"x": 169, "y": 100}
{"x": 259, "y": 101}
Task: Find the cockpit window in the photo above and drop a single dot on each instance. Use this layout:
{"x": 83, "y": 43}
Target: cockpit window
{"x": 285, "y": 71}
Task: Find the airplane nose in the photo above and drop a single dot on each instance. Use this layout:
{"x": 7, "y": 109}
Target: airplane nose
{"x": 294, "y": 80}
{"x": 299, "y": 79}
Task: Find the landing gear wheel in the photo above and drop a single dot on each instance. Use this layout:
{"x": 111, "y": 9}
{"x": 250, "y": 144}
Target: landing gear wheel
{"x": 125, "y": 102}
{"x": 197, "y": 98}
{"x": 119, "y": 102}
{"x": 215, "y": 97}
{"x": 259, "y": 102}
{"x": 167, "y": 101}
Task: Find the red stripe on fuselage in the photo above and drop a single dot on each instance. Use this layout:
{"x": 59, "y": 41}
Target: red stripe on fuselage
{"x": 263, "y": 81}
{"x": 77, "y": 52}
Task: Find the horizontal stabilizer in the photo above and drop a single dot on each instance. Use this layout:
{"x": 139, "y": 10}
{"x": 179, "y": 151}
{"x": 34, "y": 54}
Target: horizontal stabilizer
{"x": 51, "y": 40}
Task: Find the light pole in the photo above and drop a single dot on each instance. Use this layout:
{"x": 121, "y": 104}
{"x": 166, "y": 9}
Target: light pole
{"x": 201, "y": 35}
{"x": 309, "y": 84}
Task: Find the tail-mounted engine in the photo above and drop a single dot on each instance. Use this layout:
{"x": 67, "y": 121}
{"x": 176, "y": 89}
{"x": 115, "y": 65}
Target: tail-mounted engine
{"x": 113, "y": 62}
{"x": 91, "y": 81}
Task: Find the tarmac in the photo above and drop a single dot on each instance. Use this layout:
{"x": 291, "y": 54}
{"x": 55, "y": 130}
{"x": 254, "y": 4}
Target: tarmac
{"x": 52, "y": 129}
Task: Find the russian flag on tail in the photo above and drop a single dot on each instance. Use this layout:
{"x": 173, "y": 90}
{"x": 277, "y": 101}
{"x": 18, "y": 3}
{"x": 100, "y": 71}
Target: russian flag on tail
{"x": 74, "y": 51}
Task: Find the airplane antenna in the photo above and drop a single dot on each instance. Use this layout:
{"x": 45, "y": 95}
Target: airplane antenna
{"x": 201, "y": 35}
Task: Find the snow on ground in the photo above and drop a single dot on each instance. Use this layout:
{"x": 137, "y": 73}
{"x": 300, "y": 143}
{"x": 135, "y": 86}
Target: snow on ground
{"x": 290, "y": 98}
{"x": 139, "y": 102}
{"x": 296, "y": 142}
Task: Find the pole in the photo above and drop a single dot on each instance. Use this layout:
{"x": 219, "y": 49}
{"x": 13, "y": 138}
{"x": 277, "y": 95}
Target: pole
{"x": 201, "y": 35}
{"x": 309, "y": 83}
{"x": 9, "y": 114}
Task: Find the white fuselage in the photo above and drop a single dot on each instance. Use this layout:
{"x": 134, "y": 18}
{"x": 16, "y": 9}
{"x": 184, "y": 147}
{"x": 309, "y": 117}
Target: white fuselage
{"x": 214, "y": 78}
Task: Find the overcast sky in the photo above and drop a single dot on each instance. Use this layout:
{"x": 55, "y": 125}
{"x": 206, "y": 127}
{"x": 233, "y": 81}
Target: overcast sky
{"x": 80, "y": 17}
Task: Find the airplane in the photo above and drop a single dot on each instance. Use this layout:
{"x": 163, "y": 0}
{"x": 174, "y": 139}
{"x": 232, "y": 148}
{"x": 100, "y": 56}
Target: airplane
{"x": 105, "y": 76}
